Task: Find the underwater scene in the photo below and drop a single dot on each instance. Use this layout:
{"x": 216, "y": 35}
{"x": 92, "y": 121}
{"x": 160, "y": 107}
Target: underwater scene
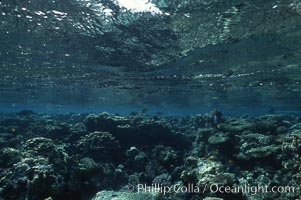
{"x": 150, "y": 99}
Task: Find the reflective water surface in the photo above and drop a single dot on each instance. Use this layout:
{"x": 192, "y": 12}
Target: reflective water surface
{"x": 191, "y": 54}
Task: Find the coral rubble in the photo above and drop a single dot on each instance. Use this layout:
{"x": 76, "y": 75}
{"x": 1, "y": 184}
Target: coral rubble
{"x": 103, "y": 156}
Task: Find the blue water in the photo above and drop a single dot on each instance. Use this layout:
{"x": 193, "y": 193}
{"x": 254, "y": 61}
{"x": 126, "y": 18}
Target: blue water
{"x": 173, "y": 57}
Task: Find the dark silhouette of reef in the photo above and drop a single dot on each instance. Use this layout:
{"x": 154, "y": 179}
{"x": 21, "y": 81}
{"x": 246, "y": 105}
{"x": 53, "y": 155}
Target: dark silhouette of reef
{"x": 96, "y": 156}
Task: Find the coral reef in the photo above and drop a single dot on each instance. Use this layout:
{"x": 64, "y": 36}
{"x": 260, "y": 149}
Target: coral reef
{"x": 103, "y": 156}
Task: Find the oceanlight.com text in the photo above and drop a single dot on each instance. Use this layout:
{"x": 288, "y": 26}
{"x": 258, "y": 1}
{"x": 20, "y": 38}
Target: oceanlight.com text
{"x": 212, "y": 188}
